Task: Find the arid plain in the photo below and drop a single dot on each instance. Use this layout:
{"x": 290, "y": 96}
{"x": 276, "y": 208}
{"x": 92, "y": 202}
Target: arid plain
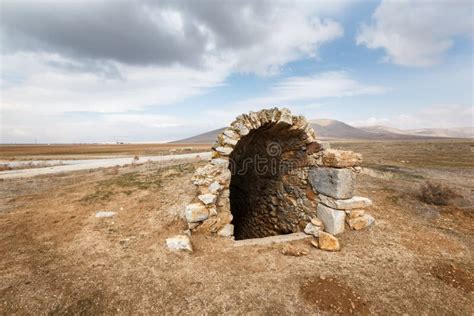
{"x": 58, "y": 258}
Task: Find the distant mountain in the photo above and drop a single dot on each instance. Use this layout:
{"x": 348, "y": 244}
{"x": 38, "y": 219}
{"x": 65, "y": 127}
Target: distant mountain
{"x": 205, "y": 138}
{"x": 333, "y": 129}
{"x": 455, "y": 132}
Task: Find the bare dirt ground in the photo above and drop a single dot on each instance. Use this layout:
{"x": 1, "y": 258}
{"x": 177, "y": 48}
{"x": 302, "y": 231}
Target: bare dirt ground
{"x": 90, "y": 151}
{"x": 58, "y": 258}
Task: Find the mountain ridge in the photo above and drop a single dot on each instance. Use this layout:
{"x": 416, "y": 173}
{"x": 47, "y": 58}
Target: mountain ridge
{"x": 334, "y": 129}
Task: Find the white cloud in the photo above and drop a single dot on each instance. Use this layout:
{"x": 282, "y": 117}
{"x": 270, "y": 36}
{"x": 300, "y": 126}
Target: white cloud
{"x": 137, "y": 56}
{"x": 416, "y": 33}
{"x": 296, "y": 93}
{"x": 435, "y": 116}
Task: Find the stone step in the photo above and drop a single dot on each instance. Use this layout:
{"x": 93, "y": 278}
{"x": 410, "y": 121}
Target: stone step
{"x": 271, "y": 239}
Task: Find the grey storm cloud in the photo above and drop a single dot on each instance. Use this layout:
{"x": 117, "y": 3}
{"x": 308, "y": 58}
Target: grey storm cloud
{"x": 132, "y": 32}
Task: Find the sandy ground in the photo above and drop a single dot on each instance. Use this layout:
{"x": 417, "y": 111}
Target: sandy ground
{"x": 87, "y": 164}
{"x": 58, "y": 258}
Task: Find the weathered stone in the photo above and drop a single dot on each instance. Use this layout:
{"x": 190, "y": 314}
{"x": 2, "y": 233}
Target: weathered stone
{"x": 328, "y": 242}
{"x": 207, "y": 198}
{"x": 286, "y": 117}
{"x": 241, "y": 128}
{"x": 332, "y": 219}
{"x": 226, "y": 231}
{"x": 347, "y": 204}
{"x": 317, "y": 222}
{"x": 105, "y": 214}
{"x": 229, "y": 141}
{"x": 230, "y": 133}
{"x": 315, "y": 243}
{"x": 311, "y": 229}
{"x": 224, "y": 150}
{"x": 212, "y": 211}
{"x": 220, "y": 162}
{"x": 214, "y": 187}
{"x": 289, "y": 250}
{"x": 180, "y": 242}
{"x": 360, "y": 222}
{"x": 341, "y": 158}
{"x": 196, "y": 212}
{"x": 337, "y": 183}
{"x": 355, "y": 213}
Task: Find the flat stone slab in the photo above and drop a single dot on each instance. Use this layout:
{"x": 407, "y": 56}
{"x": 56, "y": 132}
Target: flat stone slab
{"x": 347, "y": 204}
{"x": 336, "y": 183}
{"x": 271, "y": 240}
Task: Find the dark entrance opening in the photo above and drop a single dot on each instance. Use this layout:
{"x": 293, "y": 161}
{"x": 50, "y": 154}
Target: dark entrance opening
{"x": 266, "y": 199}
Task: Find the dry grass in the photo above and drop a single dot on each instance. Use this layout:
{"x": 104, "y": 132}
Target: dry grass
{"x": 436, "y": 193}
{"x": 58, "y": 258}
{"x": 12, "y": 152}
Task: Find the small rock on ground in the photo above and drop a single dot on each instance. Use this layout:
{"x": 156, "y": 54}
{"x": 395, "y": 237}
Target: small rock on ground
{"x": 105, "y": 214}
{"x": 180, "y": 242}
{"x": 328, "y": 242}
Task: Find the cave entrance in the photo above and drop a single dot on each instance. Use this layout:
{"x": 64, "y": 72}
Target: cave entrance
{"x": 267, "y": 196}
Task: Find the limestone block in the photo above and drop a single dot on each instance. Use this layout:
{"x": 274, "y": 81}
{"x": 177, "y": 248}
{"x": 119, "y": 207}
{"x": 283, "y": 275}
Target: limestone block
{"x": 346, "y": 204}
{"x": 311, "y": 229}
{"x": 355, "y": 213}
{"x": 214, "y": 187}
{"x": 361, "y": 222}
{"x": 230, "y": 133}
{"x": 226, "y": 151}
{"x": 341, "y": 158}
{"x": 207, "y": 198}
{"x": 328, "y": 242}
{"x": 180, "y": 242}
{"x": 226, "y": 231}
{"x": 332, "y": 219}
{"x": 337, "y": 183}
{"x": 196, "y": 212}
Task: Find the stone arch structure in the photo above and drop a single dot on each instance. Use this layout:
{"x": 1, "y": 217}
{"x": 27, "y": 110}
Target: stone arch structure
{"x": 268, "y": 176}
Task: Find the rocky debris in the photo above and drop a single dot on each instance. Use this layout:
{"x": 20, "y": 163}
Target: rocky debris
{"x": 311, "y": 229}
{"x": 361, "y": 222}
{"x": 196, "y": 212}
{"x": 317, "y": 222}
{"x": 336, "y": 183}
{"x": 332, "y": 219}
{"x": 341, "y": 158}
{"x": 105, "y": 214}
{"x": 226, "y": 231}
{"x": 354, "y": 213}
{"x": 346, "y": 204}
{"x": 225, "y": 151}
{"x": 231, "y": 134}
{"x": 328, "y": 242}
{"x": 207, "y": 198}
{"x": 214, "y": 187}
{"x": 179, "y": 242}
{"x": 289, "y": 250}
{"x": 315, "y": 243}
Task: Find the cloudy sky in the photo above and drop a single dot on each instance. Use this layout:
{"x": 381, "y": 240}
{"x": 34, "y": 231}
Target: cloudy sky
{"x": 100, "y": 71}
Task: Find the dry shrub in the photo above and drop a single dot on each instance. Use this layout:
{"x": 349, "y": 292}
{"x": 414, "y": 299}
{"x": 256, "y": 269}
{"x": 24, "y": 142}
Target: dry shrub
{"x": 435, "y": 193}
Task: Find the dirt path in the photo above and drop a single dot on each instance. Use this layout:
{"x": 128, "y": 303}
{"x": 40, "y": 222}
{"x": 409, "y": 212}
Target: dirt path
{"x": 87, "y": 164}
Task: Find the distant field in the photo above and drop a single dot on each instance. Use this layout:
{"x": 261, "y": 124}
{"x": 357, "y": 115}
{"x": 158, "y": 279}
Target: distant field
{"x": 40, "y": 152}
{"x": 437, "y": 153}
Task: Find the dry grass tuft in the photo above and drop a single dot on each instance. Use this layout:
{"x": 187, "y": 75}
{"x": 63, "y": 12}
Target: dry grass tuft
{"x": 435, "y": 193}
